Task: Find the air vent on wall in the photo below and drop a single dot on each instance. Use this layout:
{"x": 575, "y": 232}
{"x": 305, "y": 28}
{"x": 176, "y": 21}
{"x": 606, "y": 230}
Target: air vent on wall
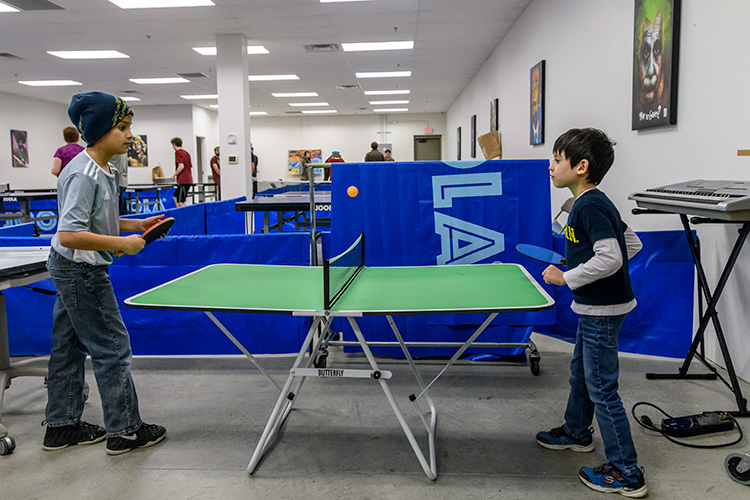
{"x": 192, "y": 75}
{"x": 323, "y": 47}
{"x": 5, "y": 55}
{"x": 347, "y": 87}
{"x": 33, "y": 5}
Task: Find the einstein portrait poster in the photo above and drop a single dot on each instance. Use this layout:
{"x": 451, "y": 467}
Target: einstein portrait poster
{"x": 655, "y": 57}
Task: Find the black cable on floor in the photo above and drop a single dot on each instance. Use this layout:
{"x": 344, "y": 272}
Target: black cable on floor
{"x": 645, "y": 422}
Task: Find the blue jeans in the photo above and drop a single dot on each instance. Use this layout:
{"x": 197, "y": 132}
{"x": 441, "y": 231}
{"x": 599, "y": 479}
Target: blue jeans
{"x": 86, "y": 319}
{"x": 593, "y": 390}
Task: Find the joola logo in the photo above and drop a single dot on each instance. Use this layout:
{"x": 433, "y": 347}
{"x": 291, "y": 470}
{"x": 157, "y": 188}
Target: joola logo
{"x": 462, "y": 242}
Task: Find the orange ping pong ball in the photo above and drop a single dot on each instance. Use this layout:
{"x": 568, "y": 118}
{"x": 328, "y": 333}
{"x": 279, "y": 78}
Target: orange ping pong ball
{"x": 352, "y": 191}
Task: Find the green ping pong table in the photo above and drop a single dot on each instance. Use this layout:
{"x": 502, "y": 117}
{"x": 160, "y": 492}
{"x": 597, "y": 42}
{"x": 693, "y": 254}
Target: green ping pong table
{"x": 386, "y": 291}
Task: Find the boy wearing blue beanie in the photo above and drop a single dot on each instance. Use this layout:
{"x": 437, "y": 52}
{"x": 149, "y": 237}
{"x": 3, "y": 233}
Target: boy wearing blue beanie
{"x": 86, "y": 317}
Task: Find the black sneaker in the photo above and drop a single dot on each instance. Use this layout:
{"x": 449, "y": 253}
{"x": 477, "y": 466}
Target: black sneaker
{"x": 146, "y": 435}
{"x": 609, "y": 479}
{"x": 558, "y": 439}
{"x": 57, "y": 438}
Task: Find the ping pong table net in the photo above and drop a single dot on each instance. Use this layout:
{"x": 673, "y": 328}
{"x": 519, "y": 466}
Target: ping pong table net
{"x": 340, "y": 271}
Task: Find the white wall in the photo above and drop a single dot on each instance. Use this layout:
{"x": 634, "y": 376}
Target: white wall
{"x": 205, "y": 124}
{"x": 273, "y": 137}
{"x": 160, "y": 124}
{"x": 587, "y": 48}
{"x": 44, "y": 122}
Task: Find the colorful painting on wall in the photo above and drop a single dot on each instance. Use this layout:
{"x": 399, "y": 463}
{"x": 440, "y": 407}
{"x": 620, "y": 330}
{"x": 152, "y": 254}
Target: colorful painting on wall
{"x": 138, "y": 151}
{"x": 20, "y": 147}
{"x": 316, "y": 156}
{"x": 655, "y": 56}
{"x": 536, "y": 129}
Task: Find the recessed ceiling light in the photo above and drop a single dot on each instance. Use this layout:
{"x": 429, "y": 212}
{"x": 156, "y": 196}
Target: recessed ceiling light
{"x": 251, "y": 49}
{"x": 7, "y": 8}
{"x": 88, "y": 54}
{"x": 294, "y": 94}
{"x": 49, "y": 83}
{"x": 308, "y": 104}
{"x": 130, "y": 99}
{"x": 268, "y": 78}
{"x": 157, "y": 4}
{"x": 376, "y": 103}
{"x": 383, "y": 74}
{"x": 319, "y": 111}
{"x": 390, "y": 110}
{"x": 200, "y": 96}
{"x": 365, "y": 46}
{"x": 258, "y": 113}
{"x": 159, "y": 81}
{"x": 386, "y": 92}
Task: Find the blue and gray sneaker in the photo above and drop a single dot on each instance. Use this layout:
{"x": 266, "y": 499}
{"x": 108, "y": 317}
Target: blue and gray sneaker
{"x": 558, "y": 439}
{"x": 609, "y": 479}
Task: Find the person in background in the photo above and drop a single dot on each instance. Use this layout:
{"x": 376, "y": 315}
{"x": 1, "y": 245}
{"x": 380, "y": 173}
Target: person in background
{"x": 388, "y": 156}
{"x": 374, "y": 154}
{"x": 597, "y": 248}
{"x": 183, "y": 172}
{"x": 120, "y": 162}
{"x": 86, "y": 317}
{"x": 254, "y": 174}
{"x": 216, "y": 171}
{"x": 304, "y": 161}
{"x": 334, "y": 158}
{"x": 64, "y": 154}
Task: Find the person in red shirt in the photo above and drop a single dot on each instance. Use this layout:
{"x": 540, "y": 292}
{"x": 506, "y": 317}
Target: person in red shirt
{"x": 216, "y": 171}
{"x": 334, "y": 158}
{"x": 183, "y": 172}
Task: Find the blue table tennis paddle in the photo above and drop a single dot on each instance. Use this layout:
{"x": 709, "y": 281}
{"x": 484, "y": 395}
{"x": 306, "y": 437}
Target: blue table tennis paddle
{"x": 540, "y": 254}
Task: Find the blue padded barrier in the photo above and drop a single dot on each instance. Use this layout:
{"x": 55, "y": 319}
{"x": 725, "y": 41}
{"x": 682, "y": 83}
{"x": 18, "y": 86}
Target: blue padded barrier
{"x": 24, "y": 229}
{"x": 662, "y": 275}
{"x": 172, "y": 332}
{"x": 221, "y": 218}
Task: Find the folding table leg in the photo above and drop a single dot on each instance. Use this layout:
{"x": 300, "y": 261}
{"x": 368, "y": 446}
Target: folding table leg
{"x": 429, "y": 469}
{"x": 287, "y": 398}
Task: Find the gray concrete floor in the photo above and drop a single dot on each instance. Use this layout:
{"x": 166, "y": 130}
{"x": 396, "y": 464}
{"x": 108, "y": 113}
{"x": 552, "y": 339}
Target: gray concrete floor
{"x": 342, "y": 440}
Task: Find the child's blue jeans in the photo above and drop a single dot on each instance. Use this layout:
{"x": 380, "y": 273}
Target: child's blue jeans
{"x": 86, "y": 319}
{"x": 593, "y": 390}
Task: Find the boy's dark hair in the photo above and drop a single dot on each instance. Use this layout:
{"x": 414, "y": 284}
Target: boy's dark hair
{"x": 70, "y": 134}
{"x": 587, "y": 144}
{"x": 374, "y": 145}
{"x": 177, "y": 142}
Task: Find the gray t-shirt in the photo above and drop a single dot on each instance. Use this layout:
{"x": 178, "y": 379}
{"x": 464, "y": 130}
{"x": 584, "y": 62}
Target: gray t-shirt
{"x": 87, "y": 200}
{"x": 121, "y": 164}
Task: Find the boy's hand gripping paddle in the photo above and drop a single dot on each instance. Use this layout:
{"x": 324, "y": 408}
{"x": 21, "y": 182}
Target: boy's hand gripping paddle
{"x": 154, "y": 232}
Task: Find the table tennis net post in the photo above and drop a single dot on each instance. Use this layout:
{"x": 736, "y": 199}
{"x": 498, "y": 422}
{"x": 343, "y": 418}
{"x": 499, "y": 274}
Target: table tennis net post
{"x": 340, "y": 271}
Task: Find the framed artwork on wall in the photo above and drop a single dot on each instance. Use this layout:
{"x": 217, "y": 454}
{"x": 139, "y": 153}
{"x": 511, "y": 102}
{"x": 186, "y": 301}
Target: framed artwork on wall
{"x": 536, "y": 128}
{"x": 494, "y": 105}
{"x": 473, "y": 136}
{"x": 138, "y": 151}
{"x": 458, "y": 143}
{"x": 656, "y": 38}
{"x": 20, "y": 148}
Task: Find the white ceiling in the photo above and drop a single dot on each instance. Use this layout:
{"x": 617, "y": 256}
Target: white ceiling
{"x": 452, "y": 40}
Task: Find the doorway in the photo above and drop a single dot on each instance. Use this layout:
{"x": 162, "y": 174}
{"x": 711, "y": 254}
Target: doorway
{"x": 200, "y": 144}
{"x": 428, "y": 147}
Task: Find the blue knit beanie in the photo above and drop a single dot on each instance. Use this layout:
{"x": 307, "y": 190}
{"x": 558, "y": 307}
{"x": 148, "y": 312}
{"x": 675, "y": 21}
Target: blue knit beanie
{"x": 96, "y": 113}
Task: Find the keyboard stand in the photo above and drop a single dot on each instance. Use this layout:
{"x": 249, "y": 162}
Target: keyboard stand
{"x": 710, "y": 314}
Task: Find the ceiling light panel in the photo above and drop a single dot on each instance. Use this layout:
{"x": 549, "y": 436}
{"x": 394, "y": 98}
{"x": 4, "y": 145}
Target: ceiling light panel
{"x": 160, "y": 4}
{"x": 294, "y": 94}
{"x": 319, "y": 111}
{"x": 158, "y": 81}
{"x": 390, "y": 110}
{"x": 383, "y": 74}
{"x": 380, "y": 103}
{"x": 88, "y": 54}
{"x": 50, "y": 83}
{"x": 308, "y": 104}
{"x": 387, "y": 92}
{"x": 269, "y": 78}
{"x": 368, "y": 46}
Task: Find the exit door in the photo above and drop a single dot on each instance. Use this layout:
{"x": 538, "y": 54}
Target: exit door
{"x": 428, "y": 147}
